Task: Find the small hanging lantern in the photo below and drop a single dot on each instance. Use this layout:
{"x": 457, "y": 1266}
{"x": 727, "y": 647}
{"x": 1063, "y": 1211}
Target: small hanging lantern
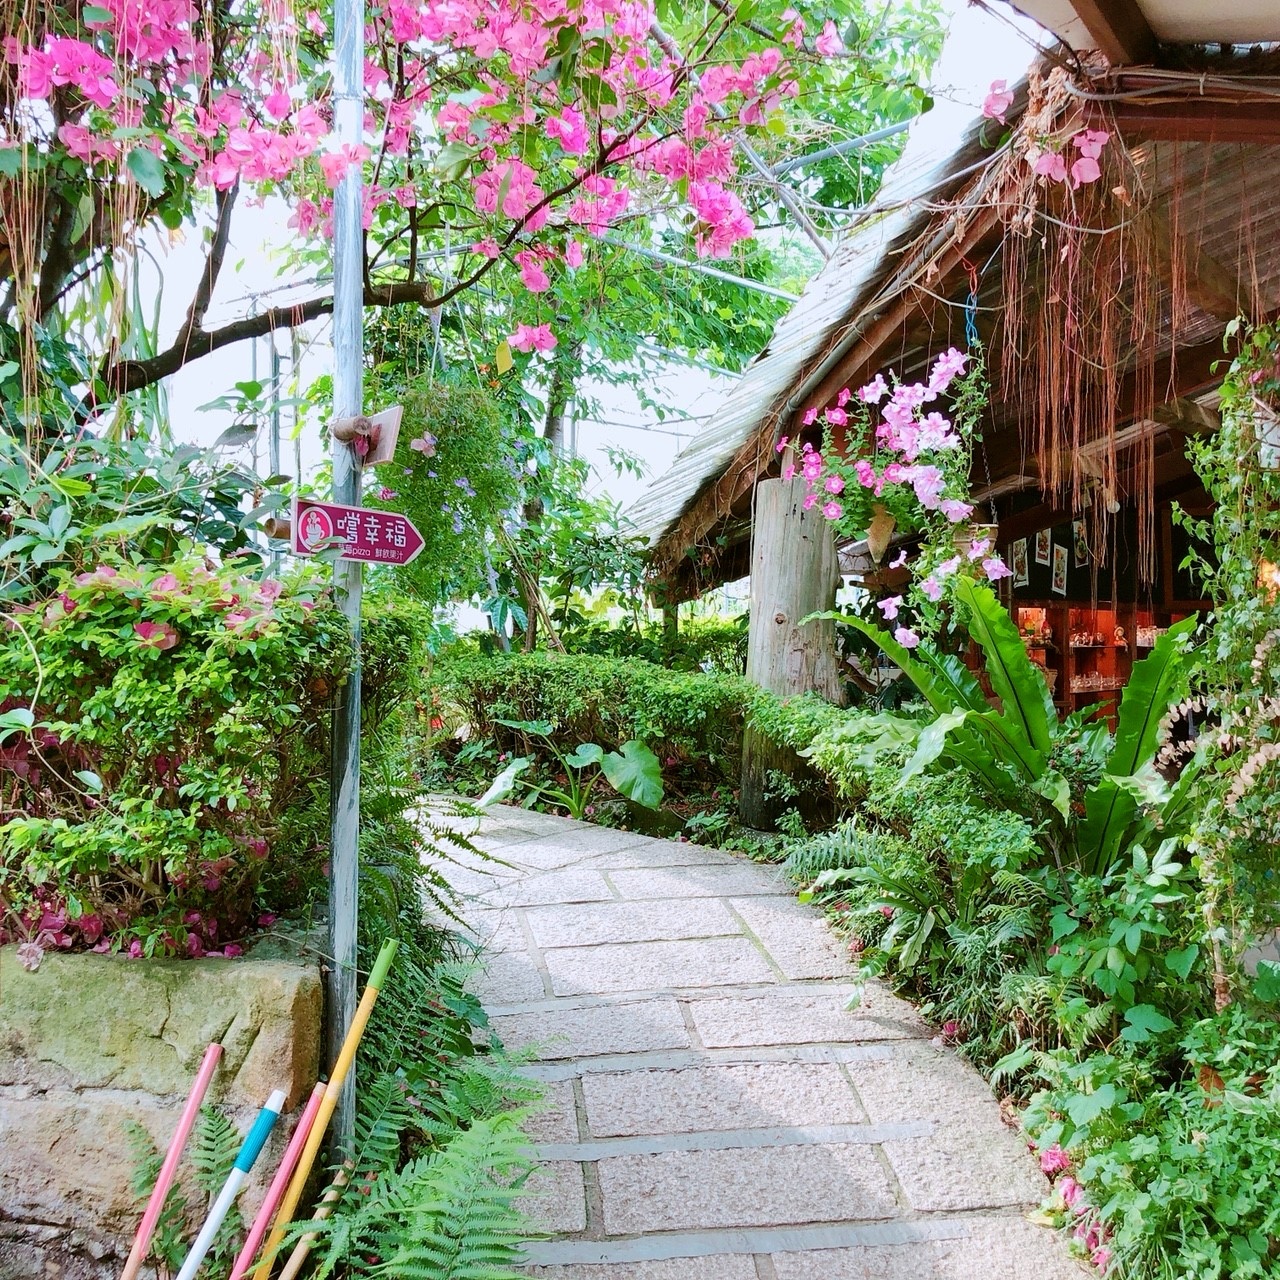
{"x": 879, "y": 531}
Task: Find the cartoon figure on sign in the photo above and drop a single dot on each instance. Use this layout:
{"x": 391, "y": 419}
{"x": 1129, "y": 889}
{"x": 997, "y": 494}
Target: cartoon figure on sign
{"x": 316, "y": 527}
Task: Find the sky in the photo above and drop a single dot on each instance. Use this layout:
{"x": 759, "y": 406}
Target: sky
{"x": 980, "y": 48}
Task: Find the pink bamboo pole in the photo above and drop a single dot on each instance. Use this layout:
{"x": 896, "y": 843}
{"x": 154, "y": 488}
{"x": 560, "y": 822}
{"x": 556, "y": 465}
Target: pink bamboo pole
{"x": 169, "y": 1169}
{"x": 275, "y": 1192}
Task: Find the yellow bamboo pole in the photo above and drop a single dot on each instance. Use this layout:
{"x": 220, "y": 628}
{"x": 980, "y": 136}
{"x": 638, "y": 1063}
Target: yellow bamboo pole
{"x": 341, "y": 1069}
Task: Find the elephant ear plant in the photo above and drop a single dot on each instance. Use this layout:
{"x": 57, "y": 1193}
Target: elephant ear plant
{"x": 1093, "y": 793}
{"x": 633, "y": 771}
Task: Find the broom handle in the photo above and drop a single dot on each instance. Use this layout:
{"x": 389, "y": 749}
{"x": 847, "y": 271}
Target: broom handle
{"x": 341, "y": 1068}
{"x": 164, "y": 1180}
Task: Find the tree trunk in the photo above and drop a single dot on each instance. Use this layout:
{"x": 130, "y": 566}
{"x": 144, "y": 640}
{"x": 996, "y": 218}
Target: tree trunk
{"x": 794, "y": 572}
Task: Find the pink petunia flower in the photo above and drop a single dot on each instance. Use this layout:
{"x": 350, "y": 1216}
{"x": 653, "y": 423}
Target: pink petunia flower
{"x": 995, "y": 569}
{"x": 782, "y": 444}
{"x": 832, "y": 510}
{"x": 889, "y": 606}
{"x": 834, "y": 483}
{"x": 906, "y": 637}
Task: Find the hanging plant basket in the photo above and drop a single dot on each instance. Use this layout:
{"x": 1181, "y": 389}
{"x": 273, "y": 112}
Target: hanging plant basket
{"x": 879, "y": 531}
{"x": 966, "y": 535}
{"x": 1266, "y": 429}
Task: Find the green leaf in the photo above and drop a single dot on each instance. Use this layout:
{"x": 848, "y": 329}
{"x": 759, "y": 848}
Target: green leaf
{"x": 1110, "y": 806}
{"x": 1085, "y": 1107}
{"x": 586, "y": 753}
{"x": 1266, "y": 983}
{"x": 1181, "y": 962}
{"x": 505, "y": 783}
{"x": 1016, "y": 680}
{"x": 636, "y": 773}
{"x": 148, "y": 170}
{"x": 91, "y": 780}
{"x": 538, "y": 728}
{"x": 1143, "y": 1021}
{"x": 95, "y": 14}
{"x": 19, "y": 720}
{"x": 932, "y": 742}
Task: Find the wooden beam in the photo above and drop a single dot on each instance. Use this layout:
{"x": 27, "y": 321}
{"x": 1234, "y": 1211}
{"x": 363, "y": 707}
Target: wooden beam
{"x": 1209, "y": 285}
{"x": 1119, "y": 29}
{"x": 1199, "y": 120}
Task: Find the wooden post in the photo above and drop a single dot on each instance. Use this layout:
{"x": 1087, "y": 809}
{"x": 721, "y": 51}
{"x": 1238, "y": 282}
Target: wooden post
{"x": 794, "y": 572}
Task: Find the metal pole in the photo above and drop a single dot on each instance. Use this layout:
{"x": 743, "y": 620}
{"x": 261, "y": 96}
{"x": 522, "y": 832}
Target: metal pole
{"x": 273, "y": 437}
{"x": 348, "y": 358}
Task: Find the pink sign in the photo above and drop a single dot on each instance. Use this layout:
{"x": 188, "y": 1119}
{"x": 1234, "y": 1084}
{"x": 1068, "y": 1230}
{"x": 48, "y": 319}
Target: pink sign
{"x": 374, "y": 537}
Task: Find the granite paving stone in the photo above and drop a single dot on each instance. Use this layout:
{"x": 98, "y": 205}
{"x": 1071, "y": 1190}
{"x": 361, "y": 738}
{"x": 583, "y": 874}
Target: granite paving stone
{"x": 633, "y": 1026}
{"x": 744, "y": 1187}
{"x": 723, "y": 1267}
{"x": 573, "y": 885}
{"x": 676, "y": 883}
{"x": 815, "y": 1016}
{"x": 1005, "y": 1248}
{"x": 799, "y": 942}
{"x": 556, "y": 1197}
{"x": 750, "y": 1096}
{"x": 509, "y": 977}
{"x": 733, "y": 1119}
{"x": 656, "y": 966}
{"x": 588, "y": 924}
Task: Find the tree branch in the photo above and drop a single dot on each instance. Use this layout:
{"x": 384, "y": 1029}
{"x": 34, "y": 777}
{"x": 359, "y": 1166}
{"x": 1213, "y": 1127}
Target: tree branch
{"x": 224, "y": 202}
{"x": 131, "y": 375}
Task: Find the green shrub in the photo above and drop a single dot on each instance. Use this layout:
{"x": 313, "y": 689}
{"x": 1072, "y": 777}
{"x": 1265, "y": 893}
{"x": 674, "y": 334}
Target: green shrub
{"x": 691, "y": 721}
{"x": 710, "y": 644}
{"x": 174, "y": 715}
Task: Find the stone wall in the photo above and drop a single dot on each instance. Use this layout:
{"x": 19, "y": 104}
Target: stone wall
{"x": 89, "y": 1044}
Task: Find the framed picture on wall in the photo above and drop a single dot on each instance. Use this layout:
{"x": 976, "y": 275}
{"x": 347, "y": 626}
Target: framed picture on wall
{"x": 1044, "y": 546}
{"x": 1018, "y": 563}
{"x": 1059, "y": 583}
{"x": 1080, "y": 542}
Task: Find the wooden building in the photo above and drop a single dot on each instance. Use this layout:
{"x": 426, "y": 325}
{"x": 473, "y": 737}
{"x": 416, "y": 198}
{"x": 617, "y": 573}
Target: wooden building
{"x": 1102, "y": 307}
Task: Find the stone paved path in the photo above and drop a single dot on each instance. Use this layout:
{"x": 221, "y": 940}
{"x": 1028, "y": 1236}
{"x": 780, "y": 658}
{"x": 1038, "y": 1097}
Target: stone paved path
{"x": 716, "y": 1112}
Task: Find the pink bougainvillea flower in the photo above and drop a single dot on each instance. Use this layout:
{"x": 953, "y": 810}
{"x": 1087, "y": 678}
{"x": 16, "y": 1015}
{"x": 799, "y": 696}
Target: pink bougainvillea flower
{"x": 267, "y": 919}
{"x": 334, "y": 164}
{"x": 1085, "y": 170}
{"x": 1091, "y": 141}
{"x": 951, "y": 1031}
{"x": 155, "y": 635}
{"x": 278, "y": 103}
{"x": 908, "y": 640}
{"x": 536, "y": 337}
{"x": 487, "y": 248}
{"x": 832, "y": 510}
{"x": 998, "y": 101}
{"x": 573, "y": 255}
{"x": 1101, "y": 1257}
{"x": 995, "y": 569}
{"x": 1070, "y": 1190}
{"x": 232, "y": 950}
{"x": 886, "y": 910}
{"x": 834, "y": 483}
{"x": 829, "y": 43}
{"x": 889, "y": 606}
{"x": 532, "y": 274}
{"x": 1051, "y": 165}
{"x": 782, "y": 444}
{"x": 135, "y": 950}
{"x": 1054, "y": 1160}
